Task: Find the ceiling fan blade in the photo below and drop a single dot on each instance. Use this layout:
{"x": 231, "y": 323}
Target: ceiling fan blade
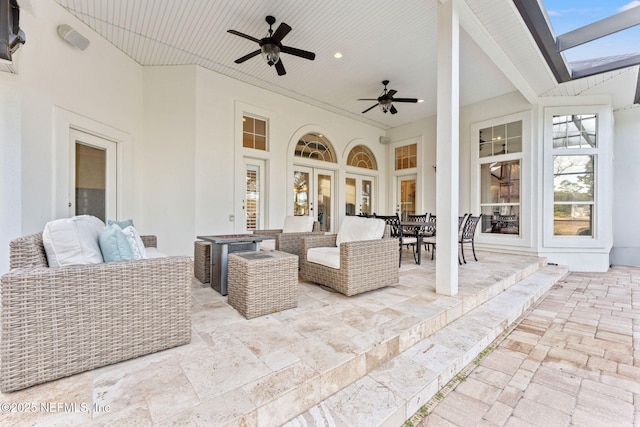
{"x": 405, "y": 100}
{"x": 282, "y": 31}
{"x": 238, "y": 33}
{"x": 393, "y": 110}
{"x": 248, "y": 56}
{"x": 280, "y": 68}
{"x": 370, "y": 108}
{"x": 392, "y": 92}
{"x": 298, "y": 52}
{"x": 368, "y": 99}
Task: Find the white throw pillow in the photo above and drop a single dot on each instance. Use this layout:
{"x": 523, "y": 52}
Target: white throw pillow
{"x": 73, "y": 241}
{"x": 298, "y": 224}
{"x": 355, "y": 229}
{"x": 139, "y": 251}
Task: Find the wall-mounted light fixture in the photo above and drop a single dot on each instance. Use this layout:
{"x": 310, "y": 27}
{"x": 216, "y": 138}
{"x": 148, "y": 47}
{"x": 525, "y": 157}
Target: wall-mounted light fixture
{"x": 71, "y": 36}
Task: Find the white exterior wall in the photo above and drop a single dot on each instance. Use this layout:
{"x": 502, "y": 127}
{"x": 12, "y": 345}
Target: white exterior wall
{"x": 626, "y": 195}
{"x": 100, "y": 84}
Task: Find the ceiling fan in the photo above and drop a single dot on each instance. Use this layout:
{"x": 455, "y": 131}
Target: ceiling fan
{"x": 271, "y": 46}
{"x": 386, "y": 100}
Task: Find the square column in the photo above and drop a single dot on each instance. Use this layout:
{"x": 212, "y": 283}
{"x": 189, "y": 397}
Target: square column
{"x": 447, "y": 147}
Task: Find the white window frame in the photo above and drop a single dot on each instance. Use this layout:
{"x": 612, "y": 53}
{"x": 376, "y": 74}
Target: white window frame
{"x": 523, "y": 239}
{"x": 602, "y": 198}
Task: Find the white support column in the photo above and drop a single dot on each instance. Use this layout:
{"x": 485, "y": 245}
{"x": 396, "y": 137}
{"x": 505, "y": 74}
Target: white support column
{"x": 447, "y": 147}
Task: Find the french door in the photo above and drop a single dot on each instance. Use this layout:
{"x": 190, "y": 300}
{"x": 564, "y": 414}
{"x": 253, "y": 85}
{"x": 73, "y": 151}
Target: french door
{"x": 359, "y": 192}
{"x": 406, "y": 195}
{"x": 92, "y": 176}
{"x": 313, "y": 191}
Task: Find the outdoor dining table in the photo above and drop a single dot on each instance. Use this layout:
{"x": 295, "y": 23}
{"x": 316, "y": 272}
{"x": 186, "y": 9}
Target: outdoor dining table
{"x": 221, "y": 247}
{"x": 417, "y": 229}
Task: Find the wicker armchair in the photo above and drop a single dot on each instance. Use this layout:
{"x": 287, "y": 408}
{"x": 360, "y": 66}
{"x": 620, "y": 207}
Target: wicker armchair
{"x": 364, "y": 265}
{"x": 57, "y": 322}
{"x": 290, "y": 242}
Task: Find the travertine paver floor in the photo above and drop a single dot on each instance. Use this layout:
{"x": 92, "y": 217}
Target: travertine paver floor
{"x": 573, "y": 360}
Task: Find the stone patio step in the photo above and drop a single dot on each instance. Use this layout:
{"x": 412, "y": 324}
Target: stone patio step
{"x": 391, "y": 393}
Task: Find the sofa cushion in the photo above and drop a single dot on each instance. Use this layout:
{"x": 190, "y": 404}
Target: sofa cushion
{"x": 355, "y": 228}
{"x": 298, "y": 224}
{"x": 72, "y": 241}
{"x": 327, "y": 256}
{"x": 137, "y": 247}
{"x": 114, "y": 244}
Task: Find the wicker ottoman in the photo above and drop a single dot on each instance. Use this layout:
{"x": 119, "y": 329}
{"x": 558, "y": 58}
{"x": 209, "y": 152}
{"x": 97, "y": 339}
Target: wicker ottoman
{"x": 202, "y": 261}
{"x": 262, "y": 282}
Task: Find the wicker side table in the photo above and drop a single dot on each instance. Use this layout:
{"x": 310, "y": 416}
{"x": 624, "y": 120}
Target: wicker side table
{"x": 263, "y": 282}
{"x": 202, "y": 261}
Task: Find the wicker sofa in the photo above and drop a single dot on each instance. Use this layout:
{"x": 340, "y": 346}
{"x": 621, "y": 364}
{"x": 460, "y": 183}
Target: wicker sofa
{"x": 56, "y": 322}
{"x": 364, "y": 265}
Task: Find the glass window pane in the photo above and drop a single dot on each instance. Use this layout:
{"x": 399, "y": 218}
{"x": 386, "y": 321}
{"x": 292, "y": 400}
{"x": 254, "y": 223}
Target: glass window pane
{"x": 247, "y": 140}
{"x": 247, "y": 124}
{"x": 575, "y": 131}
{"x": 366, "y": 197}
{"x": 499, "y": 132}
{"x": 300, "y": 193}
{"x": 514, "y": 145}
{"x": 573, "y": 178}
{"x": 573, "y": 220}
{"x": 501, "y": 219}
{"x": 485, "y": 150}
{"x": 486, "y": 135}
{"x": 500, "y": 182}
{"x": 514, "y": 129}
{"x": 261, "y": 142}
{"x": 260, "y": 127}
{"x": 90, "y": 185}
{"x": 350, "y": 196}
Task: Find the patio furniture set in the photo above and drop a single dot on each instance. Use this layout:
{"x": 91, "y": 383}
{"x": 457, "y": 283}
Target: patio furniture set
{"x": 81, "y": 295}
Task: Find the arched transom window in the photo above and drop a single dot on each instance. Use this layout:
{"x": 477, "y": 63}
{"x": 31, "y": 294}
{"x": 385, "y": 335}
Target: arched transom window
{"x": 315, "y": 146}
{"x": 361, "y": 157}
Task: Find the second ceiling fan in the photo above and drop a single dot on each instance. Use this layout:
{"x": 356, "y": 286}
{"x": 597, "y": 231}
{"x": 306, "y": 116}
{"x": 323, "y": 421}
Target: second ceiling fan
{"x": 386, "y": 100}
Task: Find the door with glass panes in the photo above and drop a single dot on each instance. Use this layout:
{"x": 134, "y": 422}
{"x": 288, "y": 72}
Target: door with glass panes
{"x": 358, "y": 195}
{"x": 313, "y": 191}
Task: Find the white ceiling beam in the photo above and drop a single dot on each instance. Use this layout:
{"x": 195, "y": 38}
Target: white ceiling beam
{"x": 481, "y": 36}
{"x": 604, "y": 27}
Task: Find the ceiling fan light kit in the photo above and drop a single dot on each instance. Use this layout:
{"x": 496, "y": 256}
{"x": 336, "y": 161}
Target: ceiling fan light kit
{"x": 386, "y": 100}
{"x": 271, "y": 46}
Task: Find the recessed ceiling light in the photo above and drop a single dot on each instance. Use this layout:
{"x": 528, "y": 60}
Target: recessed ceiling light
{"x": 337, "y": 55}
{"x": 420, "y": 100}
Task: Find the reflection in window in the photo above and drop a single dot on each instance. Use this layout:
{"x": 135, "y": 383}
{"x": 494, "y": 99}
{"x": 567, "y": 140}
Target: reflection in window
{"x": 573, "y": 195}
{"x": 254, "y": 133}
{"x": 315, "y": 146}
{"x": 574, "y": 131}
{"x": 406, "y": 156}
{"x": 501, "y": 139}
{"x": 361, "y": 157}
{"x": 500, "y": 197}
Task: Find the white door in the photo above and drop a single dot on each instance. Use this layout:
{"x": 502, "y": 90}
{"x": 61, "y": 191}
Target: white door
{"x": 254, "y": 197}
{"x": 359, "y": 191}
{"x": 406, "y": 195}
{"x": 92, "y": 177}
{"x": 313, "y": 191}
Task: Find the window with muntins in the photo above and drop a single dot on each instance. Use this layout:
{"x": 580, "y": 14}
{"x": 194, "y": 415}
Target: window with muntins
{"x": 500, "y": 152}
{"x": 574, "y": 143}
{"x": 254, "y": 133}
{"x": 315, "y": 146}
{"x": 407, "y": 156}
{"x": 361, "y": 157}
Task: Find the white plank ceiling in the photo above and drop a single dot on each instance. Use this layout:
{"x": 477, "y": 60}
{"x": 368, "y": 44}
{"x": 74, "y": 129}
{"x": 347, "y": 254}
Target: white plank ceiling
{"x": 379, "y": 40}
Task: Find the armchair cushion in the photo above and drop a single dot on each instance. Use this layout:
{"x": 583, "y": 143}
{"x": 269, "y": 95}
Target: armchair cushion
{"x": 73, "y": 241}
{"x": 298, "y": 224}
{"x": 329, "y": 256}
{"x": 355, "y": 229}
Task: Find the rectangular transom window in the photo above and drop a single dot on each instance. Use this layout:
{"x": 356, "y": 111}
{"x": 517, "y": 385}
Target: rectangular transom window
{"x": 501, "y": 139}
{"x": 254, "y": 133}
{"x": 406, "y": 156}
